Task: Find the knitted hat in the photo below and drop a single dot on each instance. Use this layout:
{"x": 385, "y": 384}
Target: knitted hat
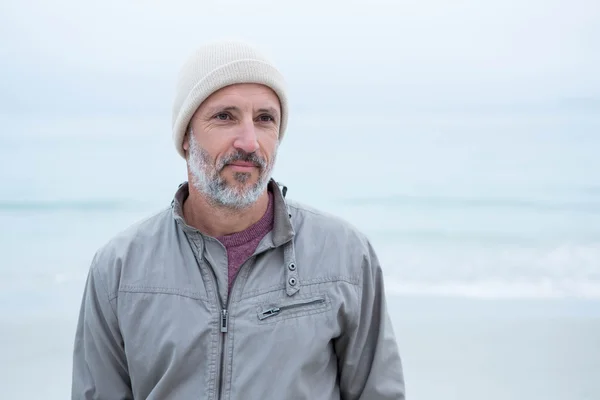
{"x": 215, "y": 66}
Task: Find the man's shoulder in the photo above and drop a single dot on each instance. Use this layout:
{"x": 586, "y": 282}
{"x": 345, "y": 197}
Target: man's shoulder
{"x": 142, "y": 234}
{"x": 306, "y": 216}
{"x": 335, "y": 246}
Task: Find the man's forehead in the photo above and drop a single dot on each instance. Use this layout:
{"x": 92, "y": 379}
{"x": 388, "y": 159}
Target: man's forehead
{"x": 261, "y": 98}
{"x": 245, "y": 90}
{"x": 229, "y": 106}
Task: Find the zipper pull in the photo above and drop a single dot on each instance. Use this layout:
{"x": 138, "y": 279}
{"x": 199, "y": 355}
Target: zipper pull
{"x": 224, "y": 320}
{"x": 270, "y": 312}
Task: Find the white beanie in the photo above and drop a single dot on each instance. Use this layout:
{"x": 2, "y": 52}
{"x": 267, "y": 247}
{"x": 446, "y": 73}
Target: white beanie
{"x": 214, "y": 66}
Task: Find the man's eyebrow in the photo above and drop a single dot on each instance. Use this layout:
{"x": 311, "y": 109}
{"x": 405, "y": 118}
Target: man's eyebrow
{"x": 221, "y": 108}
{"x": 270, "y": 110}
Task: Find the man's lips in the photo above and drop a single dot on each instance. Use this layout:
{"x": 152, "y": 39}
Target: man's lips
{"x": 242, "y": 166}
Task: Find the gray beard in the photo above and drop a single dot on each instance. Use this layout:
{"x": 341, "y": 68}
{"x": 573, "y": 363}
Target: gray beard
{"x": 216, "y": 189}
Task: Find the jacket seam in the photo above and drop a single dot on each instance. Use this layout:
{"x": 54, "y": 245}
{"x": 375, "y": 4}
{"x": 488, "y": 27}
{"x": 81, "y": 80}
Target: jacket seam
{"x": 108, "y": 294}
{"x": 348, "y": 279}
{"x": 161, "y": 290}
{"x": 299, "y": 208}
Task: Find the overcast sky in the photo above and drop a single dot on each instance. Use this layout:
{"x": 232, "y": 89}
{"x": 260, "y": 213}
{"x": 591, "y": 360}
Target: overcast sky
{"x": 120, "y": 56}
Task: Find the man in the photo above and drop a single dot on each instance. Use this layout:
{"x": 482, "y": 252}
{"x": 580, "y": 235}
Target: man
{"x": 234, "y": 291}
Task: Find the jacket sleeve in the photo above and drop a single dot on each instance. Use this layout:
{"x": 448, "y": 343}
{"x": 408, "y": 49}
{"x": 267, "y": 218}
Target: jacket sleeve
{"x": 370, "y": 366}
{"x": 99, "y": 363}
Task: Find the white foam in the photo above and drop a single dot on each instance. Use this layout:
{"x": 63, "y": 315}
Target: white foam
{"x": 565, "y": 270}
{"x": 543, "y": 289}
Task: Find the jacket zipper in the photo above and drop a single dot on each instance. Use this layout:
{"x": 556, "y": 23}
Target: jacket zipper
{"x": 224, "y": 321}
{"x": 223, "y": 325}
{"x": 273, "y": 311}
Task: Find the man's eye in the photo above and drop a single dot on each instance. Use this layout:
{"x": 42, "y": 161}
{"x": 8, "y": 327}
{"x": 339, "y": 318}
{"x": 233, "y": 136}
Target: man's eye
{"x": 222, "y": 116}
{"x": 266, "y": 118}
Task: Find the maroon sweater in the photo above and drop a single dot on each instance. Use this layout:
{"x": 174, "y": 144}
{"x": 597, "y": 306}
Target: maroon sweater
{"x": 241, "y": 245}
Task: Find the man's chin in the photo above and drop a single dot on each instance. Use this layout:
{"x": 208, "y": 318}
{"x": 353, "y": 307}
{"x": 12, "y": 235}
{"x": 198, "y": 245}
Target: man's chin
{"x": 236, "y": 179}
{"x": 237, "y": 198}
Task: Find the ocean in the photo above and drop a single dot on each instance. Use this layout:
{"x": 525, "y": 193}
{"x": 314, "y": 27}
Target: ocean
{"x": 486, "y": 223}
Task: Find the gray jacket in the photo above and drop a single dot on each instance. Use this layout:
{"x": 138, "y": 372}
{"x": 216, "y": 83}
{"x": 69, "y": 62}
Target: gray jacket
{"x": 306, "y": 318}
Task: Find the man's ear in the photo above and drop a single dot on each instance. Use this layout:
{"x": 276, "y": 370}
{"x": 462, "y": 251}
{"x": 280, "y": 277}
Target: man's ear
{"x": 186, "y": 139}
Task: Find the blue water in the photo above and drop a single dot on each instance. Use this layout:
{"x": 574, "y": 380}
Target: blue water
{"x": 486, "y": 205}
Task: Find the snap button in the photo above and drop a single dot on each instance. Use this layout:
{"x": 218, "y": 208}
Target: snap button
{"x": 292, "y": 281}
{"x": 292, "y": 267}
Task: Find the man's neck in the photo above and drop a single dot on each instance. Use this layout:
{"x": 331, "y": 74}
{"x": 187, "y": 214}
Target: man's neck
{"x": 217, "y": 221}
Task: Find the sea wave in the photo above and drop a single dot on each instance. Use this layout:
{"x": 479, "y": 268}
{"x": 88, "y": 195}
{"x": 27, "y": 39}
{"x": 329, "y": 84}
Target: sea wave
{"x": 13, "y": 206}
{"x": 455, "y": 268}
{"x": 543, "y": 288}
{"x": 479, "y": 237}
{"x": 498, "y": 289}
{"x": 452, "y": 202}
{"x": 563, "y": 270}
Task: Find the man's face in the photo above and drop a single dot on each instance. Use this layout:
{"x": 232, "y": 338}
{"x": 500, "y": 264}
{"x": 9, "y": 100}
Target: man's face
{"x": 232, "y": 145}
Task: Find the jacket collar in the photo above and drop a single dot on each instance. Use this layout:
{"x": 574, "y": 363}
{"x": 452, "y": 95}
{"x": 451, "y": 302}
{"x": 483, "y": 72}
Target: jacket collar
{"x": 283, "y": 230}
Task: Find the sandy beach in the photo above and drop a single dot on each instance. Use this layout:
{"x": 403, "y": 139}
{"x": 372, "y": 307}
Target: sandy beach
{"x": 452, "y": 349}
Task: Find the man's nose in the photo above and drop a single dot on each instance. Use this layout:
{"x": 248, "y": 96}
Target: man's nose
{"x": 247, "y": 139}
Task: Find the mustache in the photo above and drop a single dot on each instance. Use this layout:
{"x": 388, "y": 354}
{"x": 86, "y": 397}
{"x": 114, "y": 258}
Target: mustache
{"x": 245, "y": 157}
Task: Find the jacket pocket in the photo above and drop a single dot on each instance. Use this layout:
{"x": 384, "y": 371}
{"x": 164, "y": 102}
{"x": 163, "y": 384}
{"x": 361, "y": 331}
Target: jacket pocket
{"x": 288, "y": 309}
